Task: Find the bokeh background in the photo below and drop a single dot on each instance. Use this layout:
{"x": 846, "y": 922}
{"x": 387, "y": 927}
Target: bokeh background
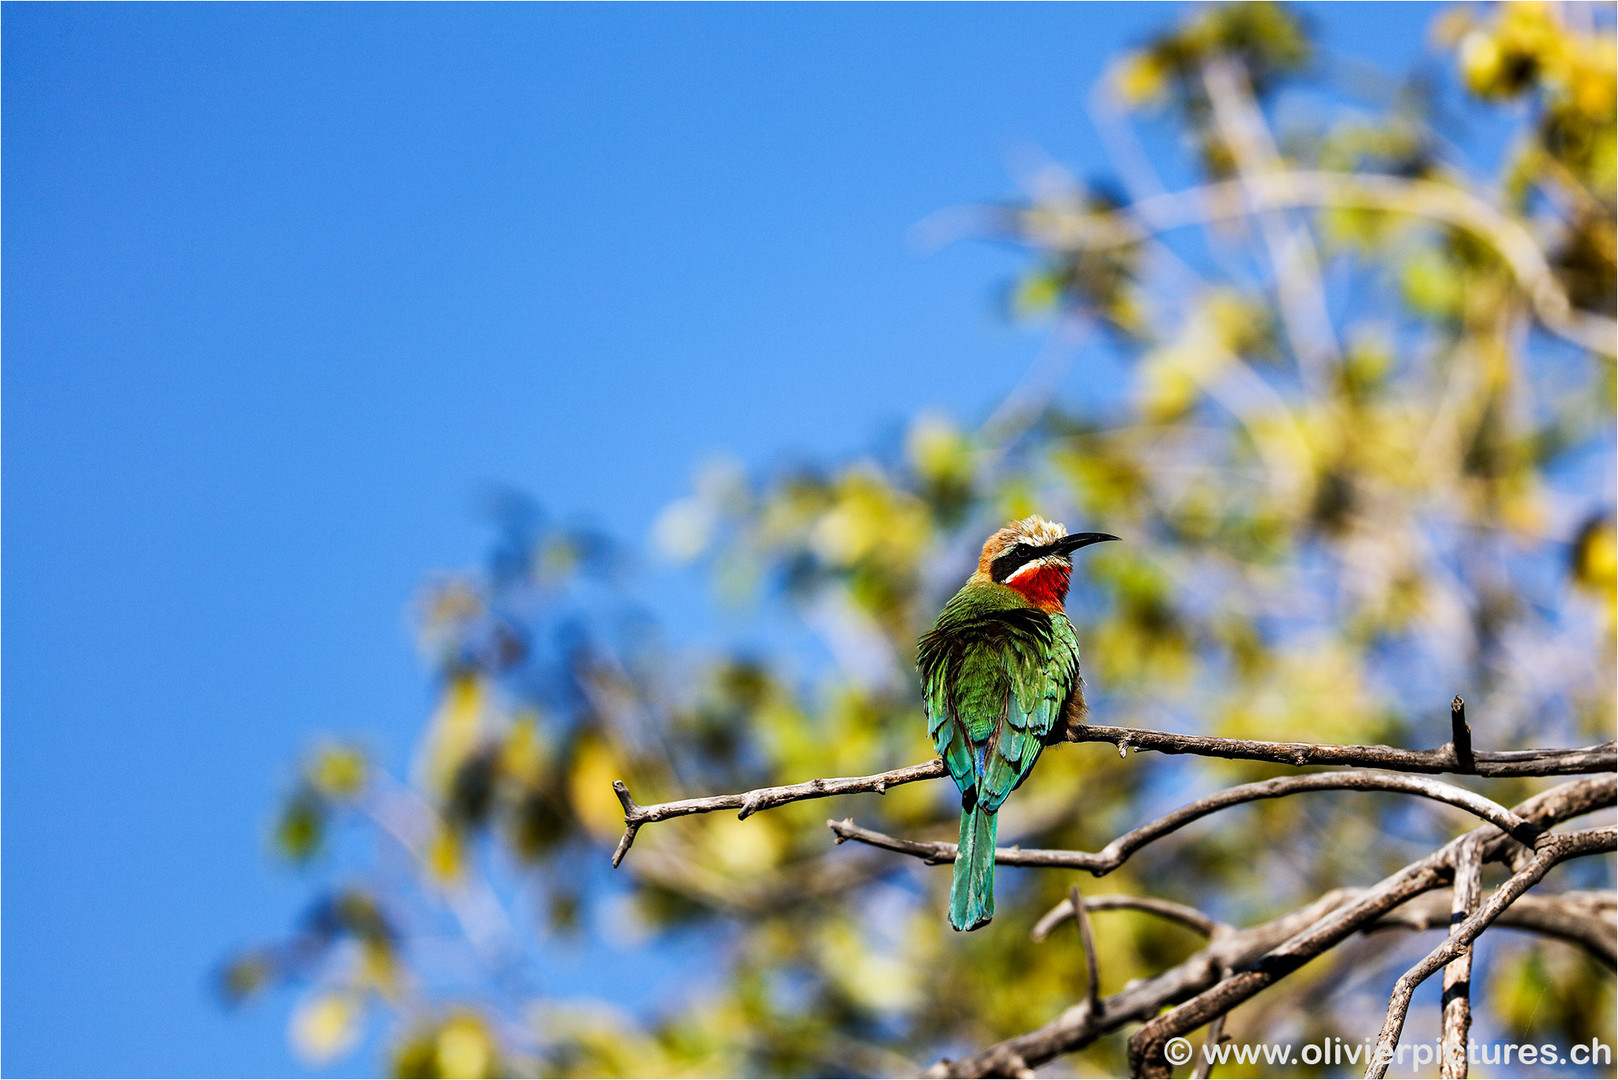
{"x": 418, "y": 417}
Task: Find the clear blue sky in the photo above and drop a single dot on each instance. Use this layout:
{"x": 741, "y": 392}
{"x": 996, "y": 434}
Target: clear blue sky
{"x": 286, "y": 285}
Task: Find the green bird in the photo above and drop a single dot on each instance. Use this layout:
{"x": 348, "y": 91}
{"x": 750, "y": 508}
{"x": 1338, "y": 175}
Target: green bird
{"x": 1000, "y": 669}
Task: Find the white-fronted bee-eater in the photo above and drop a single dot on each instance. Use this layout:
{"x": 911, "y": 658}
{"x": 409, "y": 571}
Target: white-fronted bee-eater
{"x": 1000, "y": 669}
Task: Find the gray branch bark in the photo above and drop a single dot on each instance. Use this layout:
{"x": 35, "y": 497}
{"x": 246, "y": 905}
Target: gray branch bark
{"x": 1602, "y": 757}
{"x": 750, "y": 802}
{"x": 1248, "y": 950}
{"x": 1455, "y": 757}
{"x": 1552, "y": 848}
{"x": 1457, "y": 1017}
{"x": 1087, "y": 941}
{"x": 1239, "y": 963}
{"x": 1146, "y": 1046}
{"x": 1116, "y": 853}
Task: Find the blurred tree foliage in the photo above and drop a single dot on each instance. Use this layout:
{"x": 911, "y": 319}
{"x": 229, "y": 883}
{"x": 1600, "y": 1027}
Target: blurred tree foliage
{"x": 1361, "y": 449}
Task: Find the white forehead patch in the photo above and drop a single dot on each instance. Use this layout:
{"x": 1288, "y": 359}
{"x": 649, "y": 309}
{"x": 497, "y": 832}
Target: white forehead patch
{"x": 1038, "y": 532}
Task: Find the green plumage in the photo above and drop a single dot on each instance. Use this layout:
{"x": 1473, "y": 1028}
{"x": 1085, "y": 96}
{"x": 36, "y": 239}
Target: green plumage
{"x": 997, "y": 673}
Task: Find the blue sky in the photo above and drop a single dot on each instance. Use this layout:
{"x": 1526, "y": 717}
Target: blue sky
{"x": 286, "y": 286}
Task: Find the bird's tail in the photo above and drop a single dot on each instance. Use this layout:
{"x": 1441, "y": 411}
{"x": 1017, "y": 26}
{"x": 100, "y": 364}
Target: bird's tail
{"x": 971, "y": 891}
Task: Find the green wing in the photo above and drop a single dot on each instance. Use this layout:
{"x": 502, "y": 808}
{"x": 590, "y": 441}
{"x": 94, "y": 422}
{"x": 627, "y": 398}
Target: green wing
{"x": 996, "y": 673}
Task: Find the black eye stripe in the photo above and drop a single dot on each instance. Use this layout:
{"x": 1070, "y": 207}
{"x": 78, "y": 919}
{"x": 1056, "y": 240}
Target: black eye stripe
{"x": 1008, "y": 563}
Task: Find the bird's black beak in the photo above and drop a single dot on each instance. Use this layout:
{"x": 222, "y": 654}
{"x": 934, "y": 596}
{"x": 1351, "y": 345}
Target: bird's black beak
{"x": 1069, "y": 544}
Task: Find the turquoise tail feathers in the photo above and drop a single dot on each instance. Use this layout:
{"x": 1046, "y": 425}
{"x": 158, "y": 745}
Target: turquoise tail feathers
{"x": 971, "y": 891}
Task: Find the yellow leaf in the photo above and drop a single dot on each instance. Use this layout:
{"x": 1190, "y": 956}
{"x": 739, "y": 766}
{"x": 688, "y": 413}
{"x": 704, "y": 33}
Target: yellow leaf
{"x": 1480, "y": 61}
{"x": 938, "y": 450}
{"x": 337, "y": 771}
{"x": 446, "y": 855}
{"x": 1138, "y": 78}
{"x": 455, "y": 729}
{"x": 742, "y": 847}
{"x": 595, "y": 767}
{"x": 464, "y": 1047}
{"x": 326, "y": 1025}
{"x": 522, "y": 755}
{"x": 379, "y": 968}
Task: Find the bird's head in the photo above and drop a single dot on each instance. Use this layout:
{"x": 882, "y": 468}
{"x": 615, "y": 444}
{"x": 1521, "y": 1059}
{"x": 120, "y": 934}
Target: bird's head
{"x": 1035, "y": 557}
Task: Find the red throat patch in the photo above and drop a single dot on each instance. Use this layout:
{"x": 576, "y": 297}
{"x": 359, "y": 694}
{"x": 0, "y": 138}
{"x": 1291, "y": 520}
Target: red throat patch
{"x": 1045, "y": 587}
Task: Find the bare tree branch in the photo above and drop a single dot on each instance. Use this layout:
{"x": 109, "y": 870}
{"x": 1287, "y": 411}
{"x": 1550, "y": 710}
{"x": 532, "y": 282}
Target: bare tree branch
{"x": 1551, "y": 849}
{"x": 1077, "y": 1026}
{"x": 1602, "y": 757}
{"x": 1243, "y": 949}
{"x": 1114, "y": 854}
{"x": 1445, "y": 759}
{"x": 1237, "y": 964}
{"x": 1146, "y": 1045}
{"x": 1188, "y": 917}
{"x": 1087, "y": 941}
{"x": 1458, "y": 974}
{"x": 750, "y": 802}
{"x": 1235, "y": 949}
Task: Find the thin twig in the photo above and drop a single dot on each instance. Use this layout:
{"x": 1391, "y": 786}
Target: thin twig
{"x": 750, "y": 802}
{"x": 1215, "y": 1036}
{"x": 1188, "y": 917}
{"x": 1087, "y": 942}
{"x": 1551, "y": 849}
{"x": 1114, "y": 854}
{"x": 1457, "y": 1019}
{"x": 1602, "y": 757}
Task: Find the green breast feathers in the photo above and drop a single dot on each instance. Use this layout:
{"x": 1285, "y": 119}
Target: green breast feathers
{"x": 996, "y": 672}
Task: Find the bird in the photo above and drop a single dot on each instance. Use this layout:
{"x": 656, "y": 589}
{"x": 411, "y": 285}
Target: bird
{"x": 999, "y": 671}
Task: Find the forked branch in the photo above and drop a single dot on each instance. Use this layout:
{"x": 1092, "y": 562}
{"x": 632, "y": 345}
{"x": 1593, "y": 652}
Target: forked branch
{"x": 1146, "y": 1045}
{"x": 1212, "y": 975}
{"x": 1238, "y": 964}
{"x": 1551, "y": 849}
